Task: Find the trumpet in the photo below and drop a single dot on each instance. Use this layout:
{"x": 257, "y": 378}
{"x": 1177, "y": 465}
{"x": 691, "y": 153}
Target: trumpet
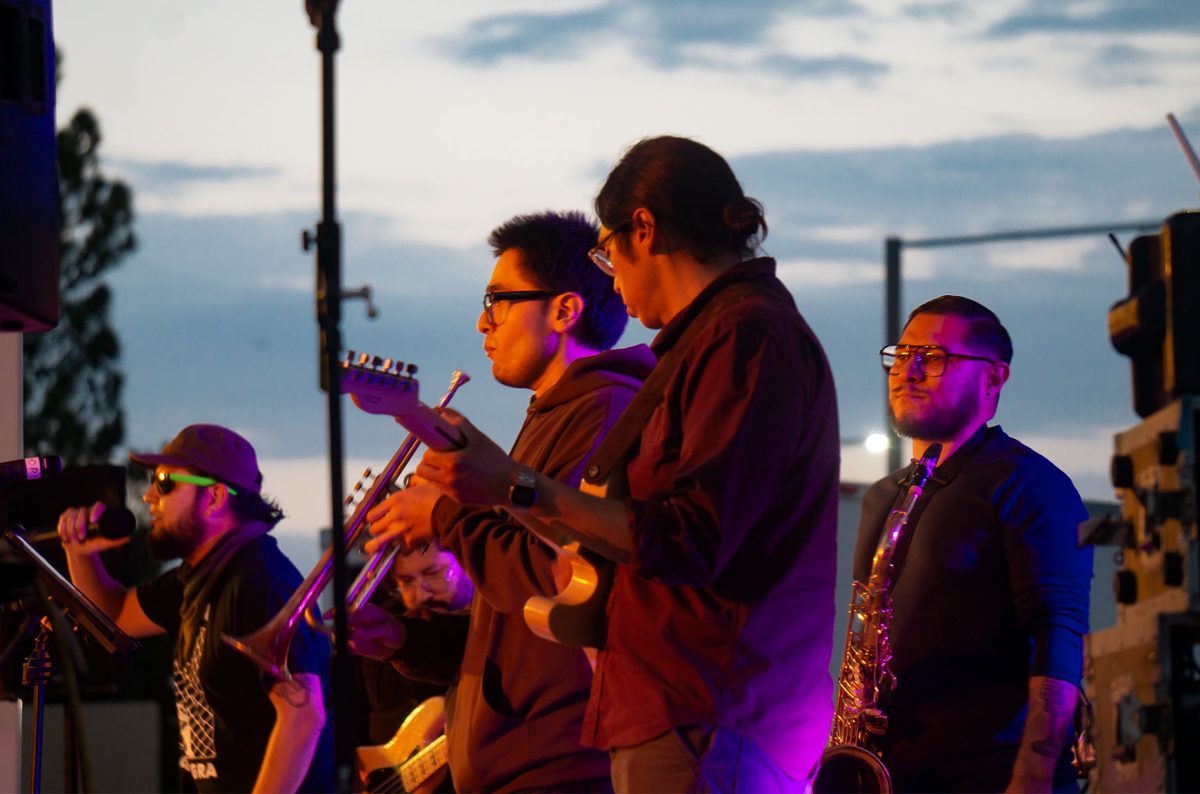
{"x": 268, "y": 647}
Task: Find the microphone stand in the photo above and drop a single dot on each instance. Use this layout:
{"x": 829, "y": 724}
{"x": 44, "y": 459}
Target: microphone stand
{"x": 36, "y": 673}
{"x": 65, "y": 609}
{"x": 323, "y": 16}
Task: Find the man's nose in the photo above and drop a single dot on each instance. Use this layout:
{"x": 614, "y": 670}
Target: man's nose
{"x": 913, "y": 369}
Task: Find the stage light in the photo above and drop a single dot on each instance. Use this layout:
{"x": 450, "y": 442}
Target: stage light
{"x": 876, "y": 443}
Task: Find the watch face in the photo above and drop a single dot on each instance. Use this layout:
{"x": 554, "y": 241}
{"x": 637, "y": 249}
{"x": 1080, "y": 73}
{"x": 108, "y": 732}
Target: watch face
{"x": 522, "y": 495}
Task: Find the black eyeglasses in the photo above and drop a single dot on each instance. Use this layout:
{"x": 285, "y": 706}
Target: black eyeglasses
{"x": 495, "y": 304}
{"x": 165, "y": 481}
{"x": 931, "y": 358}
{"x": 599, "y": 254}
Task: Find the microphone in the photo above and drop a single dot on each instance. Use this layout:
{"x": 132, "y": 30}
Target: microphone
{"x": 34, "y": 468}
{"x": 115, "y": 523}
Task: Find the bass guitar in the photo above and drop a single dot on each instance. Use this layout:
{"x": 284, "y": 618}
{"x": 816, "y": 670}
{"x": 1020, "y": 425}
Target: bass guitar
{"x": 414, "y": 760}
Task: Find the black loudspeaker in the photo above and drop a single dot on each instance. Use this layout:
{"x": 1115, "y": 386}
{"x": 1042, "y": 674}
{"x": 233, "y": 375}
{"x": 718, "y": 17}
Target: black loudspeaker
{"x": 1158, "y": 324}
{"x": 28, "y": 168}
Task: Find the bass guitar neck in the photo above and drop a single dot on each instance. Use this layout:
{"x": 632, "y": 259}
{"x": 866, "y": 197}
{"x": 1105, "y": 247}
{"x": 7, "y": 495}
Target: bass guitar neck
{"x": 413, "y": 759}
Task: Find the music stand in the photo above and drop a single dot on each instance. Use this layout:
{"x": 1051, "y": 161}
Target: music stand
{"x": 82, "y": 614}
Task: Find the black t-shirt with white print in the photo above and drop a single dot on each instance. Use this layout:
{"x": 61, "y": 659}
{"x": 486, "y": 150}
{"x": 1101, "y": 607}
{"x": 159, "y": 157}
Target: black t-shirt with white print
{"x": 225, "y": 715}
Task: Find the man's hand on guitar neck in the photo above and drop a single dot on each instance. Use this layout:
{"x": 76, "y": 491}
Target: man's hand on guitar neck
{"x": 482, "y": 474}
{"x": 478, "y": 474}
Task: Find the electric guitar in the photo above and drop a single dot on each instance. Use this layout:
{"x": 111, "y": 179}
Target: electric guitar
{"x": 576, "y": 616}
{"x": 383, "y": 386}
{"x": 412, "y": 759}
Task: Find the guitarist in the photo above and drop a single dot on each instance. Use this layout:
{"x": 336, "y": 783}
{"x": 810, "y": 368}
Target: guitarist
{"x": 715, "y": 671}
{"x": 516, "y": 711}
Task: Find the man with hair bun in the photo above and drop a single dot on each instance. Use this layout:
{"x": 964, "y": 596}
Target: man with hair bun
{"x": 714, "y": 673}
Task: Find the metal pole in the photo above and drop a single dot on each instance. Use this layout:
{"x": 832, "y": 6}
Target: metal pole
{"x": 893, "y": 248}
{"x": 329, "y": 295}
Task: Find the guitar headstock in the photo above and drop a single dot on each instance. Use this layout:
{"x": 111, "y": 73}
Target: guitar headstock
{"x": 380, "y": 385}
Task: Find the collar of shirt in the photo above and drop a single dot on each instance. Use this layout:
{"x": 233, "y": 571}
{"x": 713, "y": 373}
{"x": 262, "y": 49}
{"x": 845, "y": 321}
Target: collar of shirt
{"x": 751, "y": 269}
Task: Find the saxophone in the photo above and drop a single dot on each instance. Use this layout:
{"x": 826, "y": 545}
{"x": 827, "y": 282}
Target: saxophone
{"x": 851, "y": 761}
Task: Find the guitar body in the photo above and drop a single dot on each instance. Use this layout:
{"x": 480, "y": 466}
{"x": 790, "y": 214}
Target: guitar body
{"x": 410, "y": 761}
{"x": 577, "y": 615}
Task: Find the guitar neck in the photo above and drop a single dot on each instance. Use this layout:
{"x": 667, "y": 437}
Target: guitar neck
{"x": 430, "y": 427}
{"x": 421, "y": 766}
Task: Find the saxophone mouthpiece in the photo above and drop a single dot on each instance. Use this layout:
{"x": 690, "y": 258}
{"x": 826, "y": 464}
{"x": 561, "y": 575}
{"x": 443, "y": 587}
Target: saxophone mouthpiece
{"x": 932, "y": 453}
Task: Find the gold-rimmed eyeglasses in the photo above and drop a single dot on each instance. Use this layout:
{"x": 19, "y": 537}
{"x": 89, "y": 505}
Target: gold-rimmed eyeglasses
{"x": 933, "y": 359}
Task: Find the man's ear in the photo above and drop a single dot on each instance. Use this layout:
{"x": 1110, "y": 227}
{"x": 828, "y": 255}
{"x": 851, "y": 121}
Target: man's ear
{"x": 567, "y": 311}
{"x": 645, "y": 233}
{"x": 998, "y": 375}
{"x": 218, "y": 499}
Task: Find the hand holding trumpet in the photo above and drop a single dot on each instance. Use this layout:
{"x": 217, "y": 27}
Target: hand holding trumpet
{"x": 404, "y": 517}
{"x": 375, "y": 632}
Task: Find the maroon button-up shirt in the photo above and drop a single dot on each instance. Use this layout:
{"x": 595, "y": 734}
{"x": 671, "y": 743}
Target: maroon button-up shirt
{"x": 725, "y": 615}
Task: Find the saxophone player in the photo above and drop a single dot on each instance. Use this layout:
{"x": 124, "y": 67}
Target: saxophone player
{"x": 990, "y": 597}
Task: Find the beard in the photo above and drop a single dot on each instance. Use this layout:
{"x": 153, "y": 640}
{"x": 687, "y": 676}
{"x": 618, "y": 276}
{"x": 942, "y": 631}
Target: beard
{"x": 937, "y": 425}
{"x": 177, "y": 540}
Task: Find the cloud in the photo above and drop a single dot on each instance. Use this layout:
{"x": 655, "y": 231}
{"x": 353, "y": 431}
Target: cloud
{"x": 669, "y": 35}
{"x": 175, "y": 174}
{"x": 539, "y": 36}
{"x": 951, "y": 11}
{"x": 790, "y": 66}
{"x": 808, "y": 273}
{"x": 983, "y": 185}
{"x": 1099, "y": 16}
{"x": 1124, "y": 64}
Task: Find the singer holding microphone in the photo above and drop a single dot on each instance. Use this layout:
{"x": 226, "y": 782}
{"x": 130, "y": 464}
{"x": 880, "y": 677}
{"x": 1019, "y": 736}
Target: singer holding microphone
{"x": 237, "y": 731}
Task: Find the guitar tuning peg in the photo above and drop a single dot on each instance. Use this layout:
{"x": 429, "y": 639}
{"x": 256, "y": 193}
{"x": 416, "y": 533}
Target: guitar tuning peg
{"x": 363, "y": 358}
{"x": 350, "y": 356}
{"x": 376, "y": 361}
{"x": 411, "y": 369}
{"x": 387, "y": 365}
{"x": 366, "y": 472}
{"x": 397, "y": 366}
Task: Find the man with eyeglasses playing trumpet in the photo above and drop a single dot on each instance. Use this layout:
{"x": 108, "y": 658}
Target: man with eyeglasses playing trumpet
{"x": 549, "y": 320}
{"x": 237, "y": 731}
{"x": 990, "y": 597}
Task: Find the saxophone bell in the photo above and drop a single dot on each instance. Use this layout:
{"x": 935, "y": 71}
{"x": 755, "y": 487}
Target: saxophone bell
{"x": 851, "y": 768}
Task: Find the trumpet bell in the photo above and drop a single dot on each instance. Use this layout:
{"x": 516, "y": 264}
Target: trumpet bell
{"x": 261, "y": 647}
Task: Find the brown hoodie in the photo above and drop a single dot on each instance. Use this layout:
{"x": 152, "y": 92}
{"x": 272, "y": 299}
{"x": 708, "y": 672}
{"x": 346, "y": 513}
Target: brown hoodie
{"x": 516, "y": 710}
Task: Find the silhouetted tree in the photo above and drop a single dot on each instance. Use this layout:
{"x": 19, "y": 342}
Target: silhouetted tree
{"x": 73, "y": 384}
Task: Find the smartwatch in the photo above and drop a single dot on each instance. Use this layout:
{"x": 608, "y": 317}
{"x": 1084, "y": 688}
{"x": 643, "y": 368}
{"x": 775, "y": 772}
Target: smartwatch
{"x": 523, "y": 493}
